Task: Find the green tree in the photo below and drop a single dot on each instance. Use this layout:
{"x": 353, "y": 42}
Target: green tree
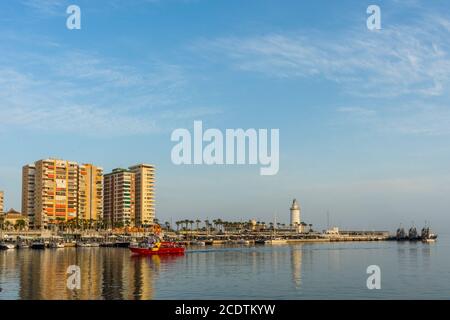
{"x": 20, "y": 224}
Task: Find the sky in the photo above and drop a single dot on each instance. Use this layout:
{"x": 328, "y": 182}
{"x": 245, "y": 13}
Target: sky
{"x": 364, "y": 115}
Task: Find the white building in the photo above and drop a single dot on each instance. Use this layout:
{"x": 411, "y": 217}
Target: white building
{"x": 295, "y": 215}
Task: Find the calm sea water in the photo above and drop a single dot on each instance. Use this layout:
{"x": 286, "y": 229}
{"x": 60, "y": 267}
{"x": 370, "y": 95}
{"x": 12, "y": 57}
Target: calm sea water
{"x": 306, "y": 271}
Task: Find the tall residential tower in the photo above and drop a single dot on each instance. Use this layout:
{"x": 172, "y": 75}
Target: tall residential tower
{"x": 28, "y": 185}
{"x": 90, "y": 192}
{"x": 145, "y": 193}
{"x": 2, "y": 204}
{"x": 119, "y": 198}
{"x": 55, "y": 191}
{"x": 129, "y": 196}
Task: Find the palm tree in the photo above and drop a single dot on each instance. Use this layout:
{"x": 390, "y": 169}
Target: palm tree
{"x": 20, "y": 224}
{"x": 178, "y": 225}
{"x": 167, "y": 223}
{"x": 219, "y": 223}
{"x": 198, "y": 223}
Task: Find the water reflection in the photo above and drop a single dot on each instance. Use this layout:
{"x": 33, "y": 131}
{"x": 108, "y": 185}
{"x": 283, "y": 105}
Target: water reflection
{"x": 265, "y": 272}
{"x": 296, "y": 265}
{"x": 105, "y": 273}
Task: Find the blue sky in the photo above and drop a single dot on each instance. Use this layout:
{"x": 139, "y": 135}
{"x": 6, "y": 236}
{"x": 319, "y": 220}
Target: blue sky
{"x": 363, "y": 116}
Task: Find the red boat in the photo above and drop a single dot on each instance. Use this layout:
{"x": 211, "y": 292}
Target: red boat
{"x": 159, "y": 248}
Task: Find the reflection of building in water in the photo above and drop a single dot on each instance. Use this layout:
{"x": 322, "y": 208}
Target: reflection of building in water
{"x": 44, "y": 276}
{"x": 140, "y": 282}
{"x": 126, "y": 277}
{"x": 8, "y": 263}
{"x": 90, "y": 262}
{"x": 105, "y": 274}
{"x": 112, "y": 276}
{"x": 296, "y": 265}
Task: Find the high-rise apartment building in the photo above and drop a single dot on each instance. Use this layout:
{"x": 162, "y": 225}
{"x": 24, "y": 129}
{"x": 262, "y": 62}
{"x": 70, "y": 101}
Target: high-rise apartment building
{"x": 28, "y": 185}
{"x": 119, "y": 198}
{"x": 90, "y": 192}
{"x": 56, "y": 191}
{"x": 145, "y": 194}
{"x": 2, "y": 204}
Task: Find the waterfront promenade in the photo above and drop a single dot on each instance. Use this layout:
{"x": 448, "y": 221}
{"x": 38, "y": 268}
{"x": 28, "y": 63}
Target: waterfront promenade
{"x": 188, "y": 238}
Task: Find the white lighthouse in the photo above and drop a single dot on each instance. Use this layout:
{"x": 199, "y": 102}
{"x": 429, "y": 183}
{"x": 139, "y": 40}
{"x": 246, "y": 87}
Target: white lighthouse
{"x": 295, "y": 215}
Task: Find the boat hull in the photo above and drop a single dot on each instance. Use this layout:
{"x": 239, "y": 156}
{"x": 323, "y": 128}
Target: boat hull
{"x": 275, "y": 242}
{"x": 160, "y": 251}
{"x": 7, "y": 246}
{"x": 38, "y": 246}
{"x": 122, "y": 244}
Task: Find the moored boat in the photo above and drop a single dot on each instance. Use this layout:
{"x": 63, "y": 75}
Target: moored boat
{"x": 276, "y": 241}
{"x": 401, "y": 234}
{"x": 243, "y": 242}
{"x": 57, "y": 245}
{"x": 6, "y": 246}
{"x": 84, "y": 244}
{"x": 122, "y": 244}
{"x": 22, "y": 245}
{"x": 198, "y": 243}
{"x": 412, "y": 234}
{"x": 428, "y": 236}
{"x": 39, "y": 245}
{"x": 107, "y": 244}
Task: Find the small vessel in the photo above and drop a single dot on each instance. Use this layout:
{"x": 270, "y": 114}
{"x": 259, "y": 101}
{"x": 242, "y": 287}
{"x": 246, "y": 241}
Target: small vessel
{"x": 39, "y": 245}
{"x": 56, "y": 245}
{"x": 84, "y": 244}
{"x": 122, "y": 244}
{"x": 243, "y": 242}
{"x": 260, "y": 241}
{"x": 154, "y": 246}
{"x": 198, "y": 243}
{"x": 95, "y": 244}
{"x": 6, "y": 246}
{"x": 276, "y": 241}
{"x": 428, "y": 236}
{"x": 401, "y": 234}
{"x": 412, "y": 234}
{"x": 22, "y": 245}
{"x": 107, "y": 244}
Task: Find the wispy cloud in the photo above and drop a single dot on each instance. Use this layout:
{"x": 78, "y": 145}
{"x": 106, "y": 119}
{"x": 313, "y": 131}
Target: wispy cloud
{"x": 358, "y": 111}
{"x": 398, "y": 60}
{"x": 88, "y": 94}
{"x": 48, "y": 7}
{"x": 413, "y": 119}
